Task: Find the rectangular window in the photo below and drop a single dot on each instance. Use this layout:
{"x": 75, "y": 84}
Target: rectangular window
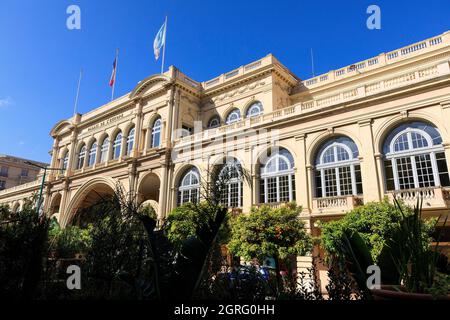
{"x": 284, "y": 188}
{"x": 405, "y": 173}
{"x": 24, "y": 173}
{"x": 424, "y": 171}
{"x": 4, "y": 172}
{"x": 330, "y": 183}
{"x": 272, "y": 190}
{"x": 358, "y": 177}
{"x": 234, "y": 194}
{"x": 443, "y": 170}
{"x": 345, "y": 180}
{"x": 318, "y": 184}
{"x": 389, "y": 172}
{"x": 2, "y": 184}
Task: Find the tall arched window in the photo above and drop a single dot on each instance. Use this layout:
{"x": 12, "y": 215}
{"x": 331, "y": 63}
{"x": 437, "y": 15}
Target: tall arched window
{"x": 156, "y": 133}
{"x": 130, "y": 141}
{"x": 81, "y": 157}
{"x": 277, "y": 182}
{"x": 255, "y": 109}
{"x": 338, "y": 172}
{"x": 117, "y": 146}
{"x": 189, "y": 188}
{"x": 229, "y": 181}
{"x": 104, "y": 150}
{"x": 233, "y": 116}
{"x": 414, "y": 157}
{"x": 92, "y": 154}
{"x": 214, "y": 122}
{"x": 65, "y": 161}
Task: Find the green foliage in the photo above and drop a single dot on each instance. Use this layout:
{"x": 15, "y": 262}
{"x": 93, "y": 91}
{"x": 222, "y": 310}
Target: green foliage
{"x": 187, "y": 221}
{"x": 23, "y": 241}
{"x": 149, "y": 211}
{"x": 376, "y": 222}
{"x": 67, "y": 242}
{"x": 268, "y": 232}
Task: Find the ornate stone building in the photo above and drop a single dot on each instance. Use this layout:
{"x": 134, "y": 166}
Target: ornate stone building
{"x": 377, "y": 128}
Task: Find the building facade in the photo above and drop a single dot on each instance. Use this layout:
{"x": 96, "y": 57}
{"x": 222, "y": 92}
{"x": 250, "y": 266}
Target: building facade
{"x": 377, "y": 128}
{"x": 16, "y": 171}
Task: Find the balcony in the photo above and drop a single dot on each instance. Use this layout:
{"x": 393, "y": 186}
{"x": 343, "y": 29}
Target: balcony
{"x": 335, "y": 205}
{"x": 433, "y": 197}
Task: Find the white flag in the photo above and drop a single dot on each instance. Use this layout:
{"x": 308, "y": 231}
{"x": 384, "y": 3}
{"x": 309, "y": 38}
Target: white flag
{"x": 159, "y": 41}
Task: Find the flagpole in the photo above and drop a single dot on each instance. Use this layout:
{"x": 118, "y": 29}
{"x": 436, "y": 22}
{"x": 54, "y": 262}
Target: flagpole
{"x": 78, "y": 93}
{"x": 115, "y": 75}
{"x": 164, "y": 48}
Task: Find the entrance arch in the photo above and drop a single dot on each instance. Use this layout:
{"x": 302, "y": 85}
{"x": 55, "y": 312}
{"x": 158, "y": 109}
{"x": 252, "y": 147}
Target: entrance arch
{"x": 149, "y": 190}
{"x": 89, "y": 194}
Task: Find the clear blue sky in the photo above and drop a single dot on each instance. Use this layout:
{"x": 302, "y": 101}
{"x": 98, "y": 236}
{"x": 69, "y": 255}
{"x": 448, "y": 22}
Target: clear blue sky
{"x": 40, "y": 58}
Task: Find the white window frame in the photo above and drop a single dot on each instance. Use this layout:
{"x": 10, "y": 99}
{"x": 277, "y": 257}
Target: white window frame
{"x": 117, "y": 145}
{"x": 65, "y": 161}
{"x": 81, "y": 155}
{"x": 265, "y": 176}
{"x": 238, "y": 181}
{"x": 411, "y": 153}
{"x": 254, "y": 105}
{"x": 156, "y": 129}
{"x": 92, "y": 154}
{"x": 189, "y": 187}
{"x": 237, "y": 116}
{"x": 104, "y": 150}
{"x": 336, "y": 165}
{"x": 130, "y": 141}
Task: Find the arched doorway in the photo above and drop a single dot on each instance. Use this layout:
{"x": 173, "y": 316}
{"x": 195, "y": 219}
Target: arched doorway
{"x": 148, "y": 191}
{"x": 88, "y": 195}
{"x": 55, "y": 204}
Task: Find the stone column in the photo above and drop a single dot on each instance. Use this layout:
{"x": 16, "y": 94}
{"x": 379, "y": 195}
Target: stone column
{"x": 302, "y": 183}
{"x": 445, "y": 106}
{"x": 369, "y": 170}
{"x": 248, "y": 186}
{"x": 55, "y": 156}
{"x": 138, "y": 147}
{"x": 72, "y": 153}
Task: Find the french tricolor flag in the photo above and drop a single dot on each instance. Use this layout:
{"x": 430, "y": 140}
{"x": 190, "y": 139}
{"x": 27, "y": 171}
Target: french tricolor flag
{"x": 113, "y": 75}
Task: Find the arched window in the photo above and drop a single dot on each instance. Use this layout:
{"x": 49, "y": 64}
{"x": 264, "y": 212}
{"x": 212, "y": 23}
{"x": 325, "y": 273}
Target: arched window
{"x": 338, "y": 172}
{"x": 104, "y": 150}
{"x": 233, "y": 116}
{"x": 117, "y": 146}
{"x": 130, "y": 141}
{"x": 229, "y": 182}
{"x": 65, "y": 161}
{"x": 156, "y": 133}
{"x": 277, "y": 182}
{"x": 414, "y": 157}
{"x": 92, "y": 154}
{"x": 189, "y": 188}
{"x": 81, "y": 157}
{"x": 214, "y": 122}
{"x": 255, "y": 109}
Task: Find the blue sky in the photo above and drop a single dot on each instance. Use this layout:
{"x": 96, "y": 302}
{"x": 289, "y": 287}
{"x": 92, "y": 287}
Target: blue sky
{"x": 40, "y": 58}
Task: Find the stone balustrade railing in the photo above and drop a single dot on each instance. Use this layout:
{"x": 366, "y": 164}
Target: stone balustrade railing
{"x": 306, "y": 107}
{"x": 337, "y": 204}
{"x": 435, "y": 197}
{"x": 24, "y": 186}
{"x": 380, "y": 61}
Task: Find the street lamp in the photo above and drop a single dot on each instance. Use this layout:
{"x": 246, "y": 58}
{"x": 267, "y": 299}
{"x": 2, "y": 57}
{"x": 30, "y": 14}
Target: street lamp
{"x": 38, "y": 204}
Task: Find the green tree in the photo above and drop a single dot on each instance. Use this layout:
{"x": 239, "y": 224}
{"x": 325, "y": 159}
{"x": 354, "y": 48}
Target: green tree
{"x": 268, "y": 232}
{"x": 376, "y": 222}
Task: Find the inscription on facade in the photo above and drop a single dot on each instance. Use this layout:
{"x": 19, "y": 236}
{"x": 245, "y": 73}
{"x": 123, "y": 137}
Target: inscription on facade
{"x": 106, "y": 122}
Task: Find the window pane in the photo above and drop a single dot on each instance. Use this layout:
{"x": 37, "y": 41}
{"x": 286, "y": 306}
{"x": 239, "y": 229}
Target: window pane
{"x": 234, "y": 194}
{"x": 318, "y": 184}
{"x": 388, "y": 170}
{"x": 418, "y": 140}
{"x": 262, "y": 197}
{"x": 443, "y": 170}
{"x": 358, "y": 177}
{"x": 405, "y": 173}
{"x": 424, "y": 171}
{"x": 401, "y": 143}
{"x": 284, "y": 188}
{"x": 272, "y": 190}
{"x": 345, "y": 180}
{"x": 330, "y": 183}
